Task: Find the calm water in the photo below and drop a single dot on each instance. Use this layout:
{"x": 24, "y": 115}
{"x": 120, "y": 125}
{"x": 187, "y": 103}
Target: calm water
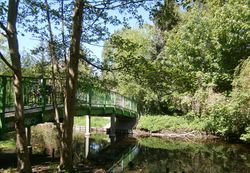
{"x": 157, "y": 155}
{"x": 146, "y": 155}
{"x": 162, "y": 155}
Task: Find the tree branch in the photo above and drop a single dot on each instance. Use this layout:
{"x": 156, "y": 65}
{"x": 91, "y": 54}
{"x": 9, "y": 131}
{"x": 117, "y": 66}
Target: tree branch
{"x": 4, "y": 28}
{"x": 3, "y": 34}
{"x": 6, "y": 62}
{"x": 113, "y": 4}
{"x": 98, "y": 45}
{"x": 83, "y": 57}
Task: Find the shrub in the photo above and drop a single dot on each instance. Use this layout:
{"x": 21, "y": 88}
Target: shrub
{"x": 246, "y": 136}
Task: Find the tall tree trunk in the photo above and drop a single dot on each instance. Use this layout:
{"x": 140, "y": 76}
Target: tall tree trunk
{"x": 63, "y": 33}
{"x": 54, "y": 64}
{"x": 23, "y": 162}
{"x": 66, "y": 160}
{"x": 55, "y": 72}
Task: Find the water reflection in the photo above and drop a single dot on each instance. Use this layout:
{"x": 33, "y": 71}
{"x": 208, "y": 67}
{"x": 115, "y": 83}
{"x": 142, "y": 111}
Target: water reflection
{"x": 115, "y": 156}
{"x": 85, "y": 147}
{"x": 159, "y": 155}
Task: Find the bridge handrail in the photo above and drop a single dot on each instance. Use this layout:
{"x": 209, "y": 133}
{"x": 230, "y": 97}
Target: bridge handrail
{"x": 37, "y": 92}
{"x": 125, "y": 158}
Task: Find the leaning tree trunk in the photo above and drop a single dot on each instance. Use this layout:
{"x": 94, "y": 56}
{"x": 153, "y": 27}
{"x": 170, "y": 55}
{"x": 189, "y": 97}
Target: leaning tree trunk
{"x": 66, "y": 161}
{"x": 23, "y": 162}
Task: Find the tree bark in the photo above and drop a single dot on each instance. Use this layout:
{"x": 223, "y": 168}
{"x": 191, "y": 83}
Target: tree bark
{"x": 23, "y": 161}
{"x": 66, "y": 160}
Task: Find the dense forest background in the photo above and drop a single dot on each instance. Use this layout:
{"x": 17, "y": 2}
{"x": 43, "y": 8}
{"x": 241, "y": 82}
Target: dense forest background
{"x": 193, "y": 62}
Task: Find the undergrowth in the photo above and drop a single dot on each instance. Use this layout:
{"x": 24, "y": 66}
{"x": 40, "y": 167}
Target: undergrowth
{"x": 158, "y": 123}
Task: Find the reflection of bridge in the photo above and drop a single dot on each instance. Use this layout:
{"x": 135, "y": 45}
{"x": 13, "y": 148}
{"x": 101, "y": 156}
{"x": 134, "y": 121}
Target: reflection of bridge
{"x": 125, "y": 160}
{"x": 38, "y": 105}
{"x": 115, "y": 157}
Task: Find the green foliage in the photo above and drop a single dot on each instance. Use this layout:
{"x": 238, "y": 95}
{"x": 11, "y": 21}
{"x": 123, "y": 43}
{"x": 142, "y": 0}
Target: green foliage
{"x": 246, "y": 136}
{"x": 166, "y": 16}
{"x": 157, "y": 123}
{"x": 198, "y": 67}
{"x": 207, "y": 45}
{"x": 229, "y": 116}
{"x": 4, "y": 69}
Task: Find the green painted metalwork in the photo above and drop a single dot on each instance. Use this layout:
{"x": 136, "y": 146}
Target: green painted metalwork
{"x": 125, "y": 160}
{"x": 38, "y": 105}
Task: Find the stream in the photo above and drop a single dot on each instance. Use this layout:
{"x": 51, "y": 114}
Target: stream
{"x": 159, "y": 155}
{"x": 149, "y": 154}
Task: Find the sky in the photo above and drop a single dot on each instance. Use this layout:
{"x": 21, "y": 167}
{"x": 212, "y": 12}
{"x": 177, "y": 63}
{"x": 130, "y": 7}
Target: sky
{"x": 28, "y": 42}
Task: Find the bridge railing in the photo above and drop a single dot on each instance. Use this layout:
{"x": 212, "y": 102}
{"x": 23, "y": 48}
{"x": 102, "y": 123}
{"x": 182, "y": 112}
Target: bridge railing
{"x": 37, "y": 93}
{"x": 105, "y": 98}
{"x": 126, "y": 158}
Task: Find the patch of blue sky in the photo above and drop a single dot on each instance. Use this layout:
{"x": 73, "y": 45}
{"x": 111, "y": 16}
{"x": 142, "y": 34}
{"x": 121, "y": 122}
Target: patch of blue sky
{"x": 28, "y": 41}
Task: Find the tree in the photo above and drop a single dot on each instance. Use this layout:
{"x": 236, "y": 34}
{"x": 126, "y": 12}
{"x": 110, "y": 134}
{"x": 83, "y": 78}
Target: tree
{"x": 11, "y": 33}
{"x": 71, "y": 87}
{"x": 166, "y": 15}
{"x": 137, "y": 54}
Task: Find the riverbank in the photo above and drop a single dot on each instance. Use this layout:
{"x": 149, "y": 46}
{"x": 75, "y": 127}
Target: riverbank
{"x": 160, "y": 126}
{"x": 175, "y": 134}
{"x": 168, "y": 139}
{"x": 177, "y": 127}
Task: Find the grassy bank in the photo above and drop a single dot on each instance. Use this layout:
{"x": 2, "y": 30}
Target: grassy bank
{"x": 7, "y": 141}
{"x": 95, "y": 121}
{"x": 157, "y": 123}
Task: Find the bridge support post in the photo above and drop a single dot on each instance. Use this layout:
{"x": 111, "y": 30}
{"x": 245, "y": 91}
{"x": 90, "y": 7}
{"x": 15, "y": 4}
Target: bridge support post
{"x": 87, "y": 125}
{"x": 86, "y": 146}
{"x": 112, "y": 128}
{"x": 28, "y": 139}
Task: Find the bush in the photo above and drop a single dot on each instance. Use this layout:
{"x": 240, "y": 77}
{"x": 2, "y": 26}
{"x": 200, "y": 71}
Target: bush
{"x": 230, "y": 116}
{"x": 246, "y": 136}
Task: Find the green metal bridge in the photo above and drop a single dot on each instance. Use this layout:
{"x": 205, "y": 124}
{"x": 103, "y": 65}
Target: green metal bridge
{"x": 38, "y": 105}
